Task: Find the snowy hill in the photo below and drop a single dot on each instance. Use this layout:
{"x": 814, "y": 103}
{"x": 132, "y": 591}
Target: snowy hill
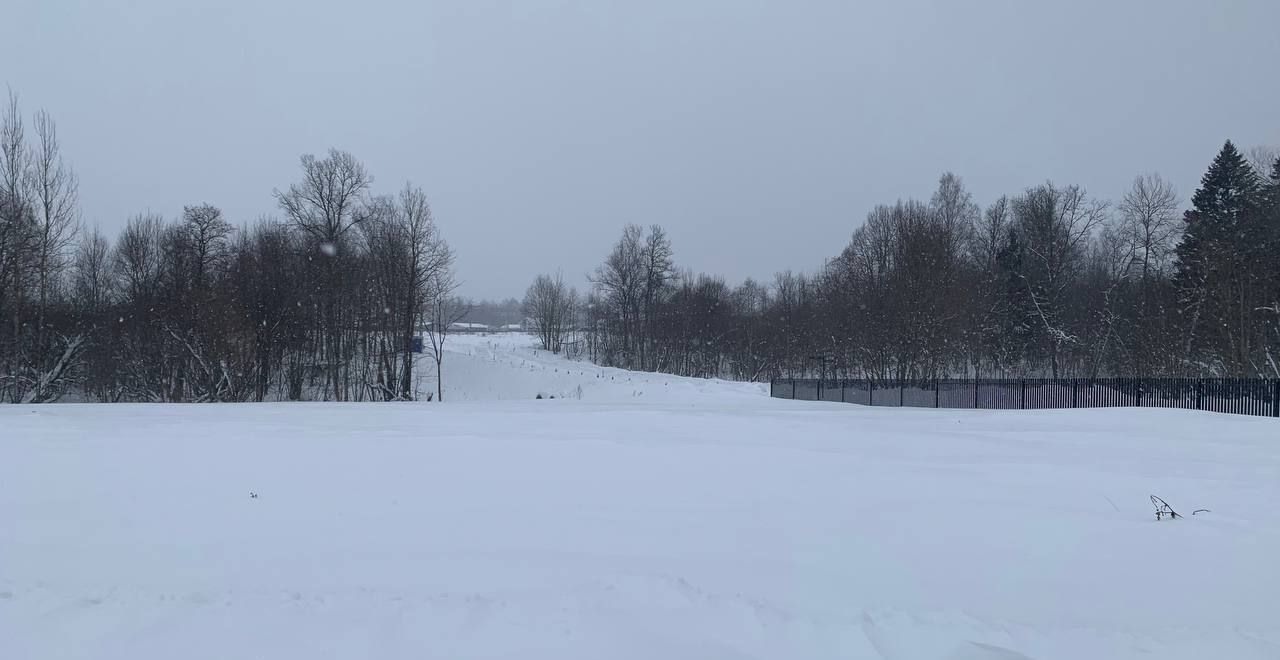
{"x": 654, "y": 518}
{"x": 509, "y": 366}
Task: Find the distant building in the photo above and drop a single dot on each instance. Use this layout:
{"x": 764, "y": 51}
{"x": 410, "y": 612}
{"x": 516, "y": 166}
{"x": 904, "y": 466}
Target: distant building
{"x": 461, "y": 328}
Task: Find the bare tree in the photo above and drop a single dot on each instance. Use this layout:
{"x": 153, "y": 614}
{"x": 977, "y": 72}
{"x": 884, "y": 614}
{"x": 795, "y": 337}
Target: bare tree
{"x": 990, "y": 233}
{"x": 430, "y": 259}
{"x": 326, "y": 205}
{"x": 988, "y": 309}
{"x": 55, "y": 196}
{"x": 621, "y": 284}
{"x": 1056, "y": 225}
{"x": 93, "y": 289}
{"x": 1150, "y": 223}
{"x": 631, "y": 285}
{"x": 551, "y": 308}
{"x": 329, "y": 200}
{"x": 139, "y": 267}
{"x": 955, "y": 208}
{"x": 1261, "y": 158}
{"x": 206, "y": 233}
{"x": 443, "y": 311}
{"x": 93, "y": 283}
{"x": 38, "y": 213}
{"x": 137, "y": 255}
{"x": 16, "y": 225}
{"x": 405, "y": 251}
{"x": 659, "y": 273}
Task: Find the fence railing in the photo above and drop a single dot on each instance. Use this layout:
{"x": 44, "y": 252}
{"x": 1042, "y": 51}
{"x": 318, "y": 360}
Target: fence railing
{"x": 1244, "y": 396}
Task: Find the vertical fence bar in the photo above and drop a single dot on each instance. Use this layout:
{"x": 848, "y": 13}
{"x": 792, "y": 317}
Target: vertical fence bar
{"x": 935, "y": 393}
{"x": 902, "y": 389}
{"x": 1275, "y": 398}
{"x": 1022, "y": 405}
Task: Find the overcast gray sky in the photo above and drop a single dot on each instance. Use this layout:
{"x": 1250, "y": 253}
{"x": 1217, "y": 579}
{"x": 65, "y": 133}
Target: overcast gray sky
{"x": 758, "y": 133}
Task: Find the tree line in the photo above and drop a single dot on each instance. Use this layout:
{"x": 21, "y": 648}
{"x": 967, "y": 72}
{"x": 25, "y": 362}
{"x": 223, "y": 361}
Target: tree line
{"x": 326, "y": 301}
{"x": 1046, "y": 282}
{"x": 331, "y": 299}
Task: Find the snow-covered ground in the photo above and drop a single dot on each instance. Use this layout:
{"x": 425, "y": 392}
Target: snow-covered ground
{"x": 506, "y": 366}
{"x": 656, "y": 518}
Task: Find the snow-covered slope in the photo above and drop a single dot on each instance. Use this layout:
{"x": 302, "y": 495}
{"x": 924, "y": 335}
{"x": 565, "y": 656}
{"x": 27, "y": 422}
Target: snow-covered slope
{"x": 509, "y": 366}
{"x": 696, "y": 520}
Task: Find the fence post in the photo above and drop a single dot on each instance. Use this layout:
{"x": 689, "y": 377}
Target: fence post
{"x": 793, "y": 388}
{"x": 1199, "y": 392}
{"x": 842, "y": 386}
{"x": 935, "y": 393}
{"x": 1075, "y": 392}
{"x": 1023, "y": 405}
{"x": 975, "y": 392}
{"x": 1139, "y": 393}
{"x": 1275, "y": 398}
{"x": 871, "y": 389}
{"x": 902, "y": 389}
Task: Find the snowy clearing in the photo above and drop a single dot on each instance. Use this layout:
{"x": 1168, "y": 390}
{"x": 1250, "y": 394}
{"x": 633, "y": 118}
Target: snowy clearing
{"x": 696, "y": 520}
{"x": 509, "y": 366}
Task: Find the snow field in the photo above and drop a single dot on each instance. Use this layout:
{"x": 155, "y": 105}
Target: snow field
{"x": 509, "y": 366}
{"x": 658, "y": 518}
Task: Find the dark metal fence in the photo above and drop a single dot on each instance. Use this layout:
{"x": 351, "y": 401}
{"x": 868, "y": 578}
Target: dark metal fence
{"x": 1244, "y": 396}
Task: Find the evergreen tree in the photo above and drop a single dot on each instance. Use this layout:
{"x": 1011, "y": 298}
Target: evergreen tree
{"x": 1217, "y": 269}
